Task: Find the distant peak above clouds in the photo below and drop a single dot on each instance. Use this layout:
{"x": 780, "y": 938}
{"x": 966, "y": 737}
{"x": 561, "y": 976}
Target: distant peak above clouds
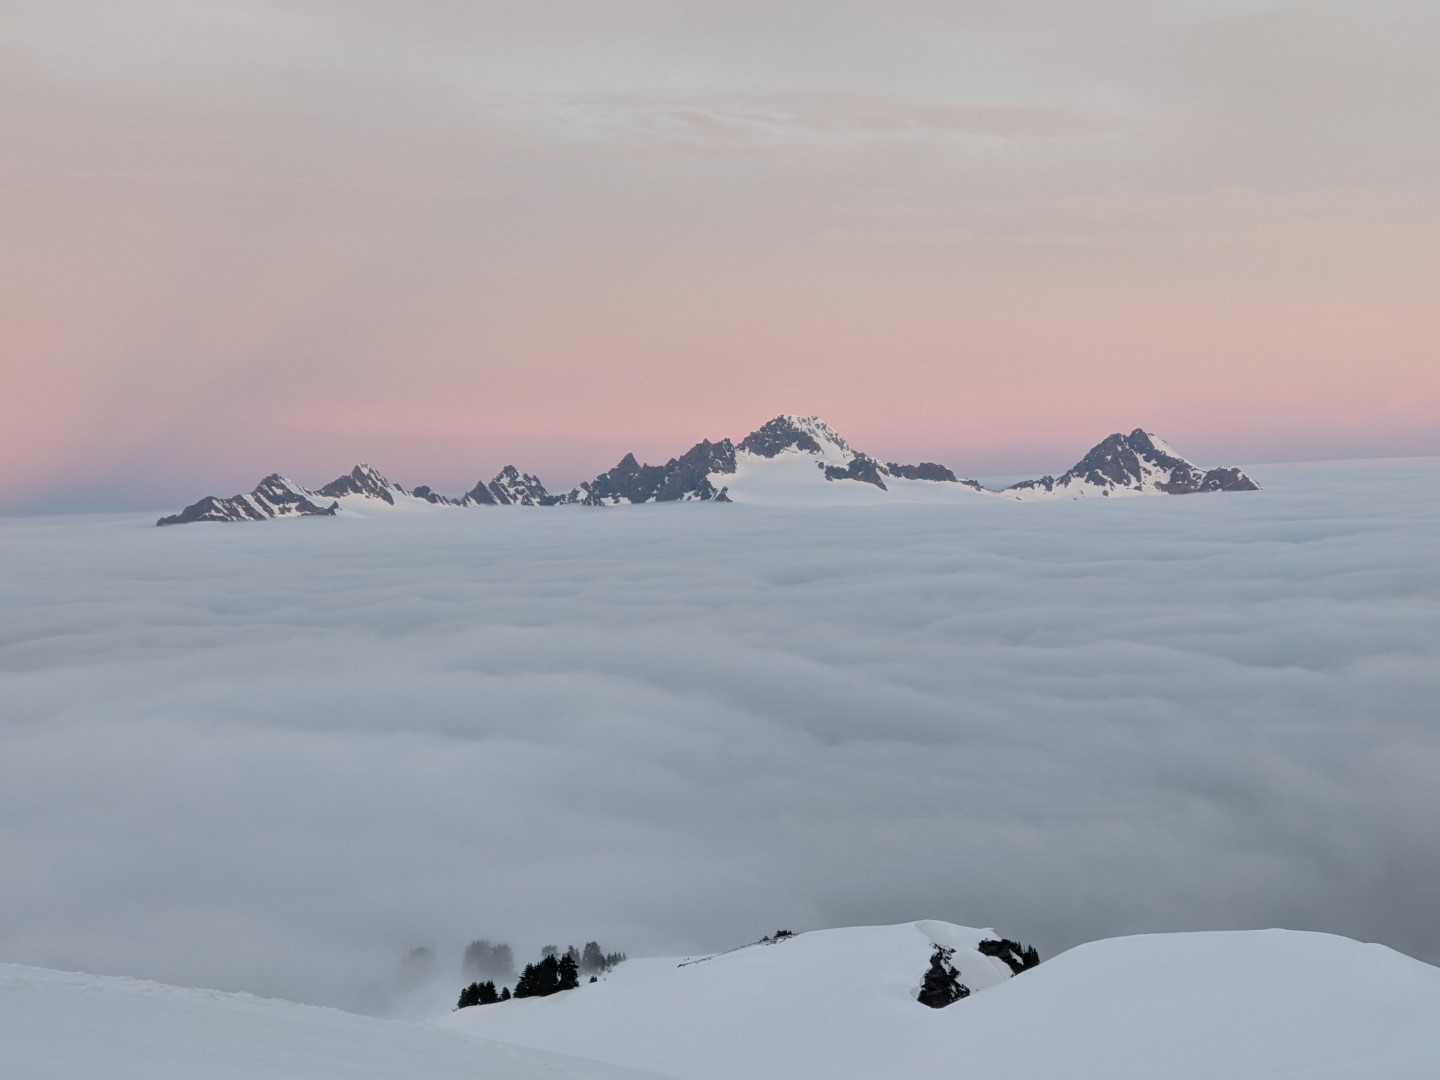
{"x": 364, "y": 480}
{"x": 808, "y": 434}
{"x": 273, "y": 497}
{"x": 788, "y": 460}
{"x": 1134, "y": 464}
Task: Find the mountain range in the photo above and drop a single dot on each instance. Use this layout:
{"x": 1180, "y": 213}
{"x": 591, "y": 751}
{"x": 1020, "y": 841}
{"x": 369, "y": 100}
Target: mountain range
{"x": 790, "y": 459}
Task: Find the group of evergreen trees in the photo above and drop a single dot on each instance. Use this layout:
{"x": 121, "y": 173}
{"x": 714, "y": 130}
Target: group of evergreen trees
{"x": 551, "y": 975}
{"x": 553, "y": 972}
{"x": 1017, "y": 957}
{"x": 482, "y": 993}
{"x": 941, "y": 985}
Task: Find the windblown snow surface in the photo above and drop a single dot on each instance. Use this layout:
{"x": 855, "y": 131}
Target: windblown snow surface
{"x": 61, "y": 1026}
{"x": 836, "y": 1004}
{"x": 274, "y": 757}
{"x": 839, "y": 1004}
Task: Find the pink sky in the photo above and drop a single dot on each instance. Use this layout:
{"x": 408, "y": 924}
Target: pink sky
{"x": 446, "y": 236}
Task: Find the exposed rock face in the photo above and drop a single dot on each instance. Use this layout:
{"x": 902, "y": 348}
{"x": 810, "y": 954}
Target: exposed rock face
{"x": 1135, "y": 463}
{"x": 273, "y": 497}
{"x": 424, "y": 491}
{"x": 808, "y": 434}
{"x": 627, "y": 482}
{"x": 865, "y": 469}
{"x": 363, "y": 480}
{"x": 1231, "y": 479}
{"x": 688, "y": 476}
{"x": 682, "y": 479}
{"x": 926, "y": 470}
{"x": 511, "y": 487}
{"x": 480, "y": 495}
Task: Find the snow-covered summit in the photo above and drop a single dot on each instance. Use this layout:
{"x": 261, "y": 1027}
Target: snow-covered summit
{"x": 510, "y": 487}
{"x": 1134, "y": 464}
{"x": 363, "y": 480}
{"x": 805, "y": 434}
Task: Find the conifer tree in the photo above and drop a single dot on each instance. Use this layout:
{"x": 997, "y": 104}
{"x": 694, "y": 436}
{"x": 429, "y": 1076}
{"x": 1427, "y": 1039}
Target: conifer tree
{"x": 592, "y": 960}
{"x": 568, "y": 972}
{"x": 540, "y": 979}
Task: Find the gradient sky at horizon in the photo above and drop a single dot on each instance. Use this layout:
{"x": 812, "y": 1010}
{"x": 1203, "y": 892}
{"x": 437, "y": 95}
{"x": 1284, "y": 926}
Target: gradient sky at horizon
{"x": 242, "y": 236}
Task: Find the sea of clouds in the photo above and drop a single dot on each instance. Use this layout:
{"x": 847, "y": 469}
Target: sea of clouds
{"x": 275, "y": 756}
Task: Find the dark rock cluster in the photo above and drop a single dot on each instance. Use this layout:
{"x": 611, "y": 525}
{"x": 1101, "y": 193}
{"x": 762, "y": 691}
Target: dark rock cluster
{"x": 686, "y": 477}
{"x": 862, "y": 468}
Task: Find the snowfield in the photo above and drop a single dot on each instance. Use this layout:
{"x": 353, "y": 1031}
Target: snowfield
{"x": 839, "y": 1004}
{"x": 830, "y": 1005}
{"x": 60, "y": 1026}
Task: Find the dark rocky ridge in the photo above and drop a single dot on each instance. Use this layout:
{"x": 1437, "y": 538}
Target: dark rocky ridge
{"x": 926, "y": 470}
{"x": 778, "y": 435}
{"x": 362, "y": 480}
{"x": 1120, "y": 462}
{"x": 865, "y": 469}
{"x": 683, "y": 478}
{"x": 511, "y": 487}
{"x": 424, "y": 491}
{"x": 273, "y": 497}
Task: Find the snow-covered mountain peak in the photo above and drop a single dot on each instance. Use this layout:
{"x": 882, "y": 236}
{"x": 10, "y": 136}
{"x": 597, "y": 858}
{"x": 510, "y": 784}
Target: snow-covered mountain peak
{"x": 807, "y": 434}
{"x": 364, "y": 480}
{"x": 274, "y": 497}
{"x": 1136, "y": 464}
{"x": 511, "y": 487}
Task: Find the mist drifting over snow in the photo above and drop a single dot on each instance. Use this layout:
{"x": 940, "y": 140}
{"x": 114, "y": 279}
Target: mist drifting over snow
{"x": 275, "y": 756}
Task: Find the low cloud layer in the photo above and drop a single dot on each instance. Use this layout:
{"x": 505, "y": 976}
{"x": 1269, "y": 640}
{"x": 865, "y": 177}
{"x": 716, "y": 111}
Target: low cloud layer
{"x": 274, "y": 757}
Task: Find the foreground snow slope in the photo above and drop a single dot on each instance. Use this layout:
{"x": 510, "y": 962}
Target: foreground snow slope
{"x": 60, "y": 1026}
{"x": 839, "y": 1003}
